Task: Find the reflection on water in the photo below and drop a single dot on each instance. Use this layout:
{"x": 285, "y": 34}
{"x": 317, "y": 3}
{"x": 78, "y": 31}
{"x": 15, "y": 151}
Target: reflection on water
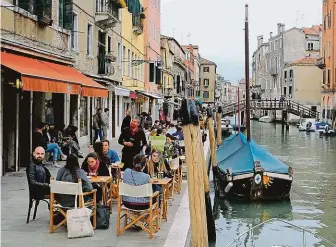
{"x": 313, "y": 197}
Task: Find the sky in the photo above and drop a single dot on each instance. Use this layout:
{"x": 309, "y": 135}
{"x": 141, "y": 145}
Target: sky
{"x": 217, "y": 26}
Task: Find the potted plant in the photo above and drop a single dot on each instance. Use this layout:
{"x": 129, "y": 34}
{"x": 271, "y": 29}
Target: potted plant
{"x": 142, "y": 16}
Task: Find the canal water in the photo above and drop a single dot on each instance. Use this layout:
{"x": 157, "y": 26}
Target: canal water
{"x": 313, "y": 195}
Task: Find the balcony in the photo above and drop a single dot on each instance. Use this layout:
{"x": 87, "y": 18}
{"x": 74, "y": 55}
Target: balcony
{"x": 138, "y": 26}
{"x": 321, "y": 63}
{"x": 107, "y": 13}
{"x": 274, "y": 72}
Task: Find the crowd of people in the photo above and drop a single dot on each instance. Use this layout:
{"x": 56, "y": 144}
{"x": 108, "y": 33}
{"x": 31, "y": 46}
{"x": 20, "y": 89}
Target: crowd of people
{"x": 141, "y": 161}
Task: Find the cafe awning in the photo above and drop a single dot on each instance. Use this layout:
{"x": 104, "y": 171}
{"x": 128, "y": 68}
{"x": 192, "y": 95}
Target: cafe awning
{"x": 42, "y": 76}
{"x": 150, "y": 95}
{"x": 120, "y": 91}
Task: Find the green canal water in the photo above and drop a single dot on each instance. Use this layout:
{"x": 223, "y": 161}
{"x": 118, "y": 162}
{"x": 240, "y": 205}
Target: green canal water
{"x": 313, "y": 195}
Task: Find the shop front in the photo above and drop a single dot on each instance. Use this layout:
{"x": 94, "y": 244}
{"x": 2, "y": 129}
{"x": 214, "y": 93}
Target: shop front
{"x": 34, "y": 91}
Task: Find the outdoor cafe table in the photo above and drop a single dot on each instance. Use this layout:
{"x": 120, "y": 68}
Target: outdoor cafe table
{"x": 104, "y": 181}
{"x": 164, "y": 183}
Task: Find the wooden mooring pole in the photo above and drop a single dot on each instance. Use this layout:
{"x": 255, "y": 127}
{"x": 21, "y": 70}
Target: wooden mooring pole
{"x": 197, "y": 184}
{"x": 219, "y": 126}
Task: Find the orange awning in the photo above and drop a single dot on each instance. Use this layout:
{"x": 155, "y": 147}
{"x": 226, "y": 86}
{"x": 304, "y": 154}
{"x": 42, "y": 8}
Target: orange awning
{"x": 38, "y": 75}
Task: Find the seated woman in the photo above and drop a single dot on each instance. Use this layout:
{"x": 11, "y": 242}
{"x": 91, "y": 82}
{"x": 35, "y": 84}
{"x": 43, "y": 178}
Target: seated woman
{"x": 156, "y": 164}
{"x": 93, "y": 166}
{"x": 171, "y": 149}
{"x": 137, "y": 177}
{"x": 71, "y": 172}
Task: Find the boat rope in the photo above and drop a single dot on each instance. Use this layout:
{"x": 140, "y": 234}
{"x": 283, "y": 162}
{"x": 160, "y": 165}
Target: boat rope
{"x": 288, "y": 223}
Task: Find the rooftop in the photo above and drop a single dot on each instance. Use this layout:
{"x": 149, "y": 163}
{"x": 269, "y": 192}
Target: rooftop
{"x": 305, "y": 61}
{"x": 205, "y": 61}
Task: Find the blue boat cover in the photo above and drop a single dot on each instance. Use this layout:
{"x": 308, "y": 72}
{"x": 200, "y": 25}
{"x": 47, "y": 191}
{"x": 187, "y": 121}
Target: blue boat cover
{"x": 239, "y": 155}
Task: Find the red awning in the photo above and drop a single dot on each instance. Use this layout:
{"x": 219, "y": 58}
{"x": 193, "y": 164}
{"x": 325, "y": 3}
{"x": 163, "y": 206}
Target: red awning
{"x": 133, "y": 96}
{"x": 42, "y": 76}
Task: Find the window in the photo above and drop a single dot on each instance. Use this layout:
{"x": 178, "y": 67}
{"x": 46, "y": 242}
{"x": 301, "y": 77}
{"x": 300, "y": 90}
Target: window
{"x": 329, "y": 19}
{"x": 328, "y": 76}
{"x": 74, "y": 33}
{"x": 285, "y": 91}
{"x": 129, "y": 62}
{"x": 89, "y": 40}
{"x": 324, "y": 23}
{"x": 310, "y": 46}
{"x": 206, "y": 69}
{"x": 205, "y": 95}
{"x": 329, "y": 48}
{"x": 133, "y": 67}
{"x": 285, "y": 75}
{"x": 109, "y": 44}
{"x": 206, "y": 82}
{"x": 280, "y": 43}
{"x": 123, "y": 60}
{"x": 275, "y": 44}
{"x": 324, "y": 51}
{"x": 324, "y": 77}
{"x": 119, "y": 55}
{"x": 83, "y": 116}
{"x": 291, "y": 74}
{"x": 290, "y": 90}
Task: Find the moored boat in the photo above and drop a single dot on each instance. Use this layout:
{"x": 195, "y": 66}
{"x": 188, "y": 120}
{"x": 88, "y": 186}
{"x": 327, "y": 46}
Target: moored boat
{"x": 266, "y": 119}
{"x": 247, "y": 170}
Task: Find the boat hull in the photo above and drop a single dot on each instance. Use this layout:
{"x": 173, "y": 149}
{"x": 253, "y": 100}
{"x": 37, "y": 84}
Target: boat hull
{"x": 266, "y": 119}
{"x": 243, "y": 186}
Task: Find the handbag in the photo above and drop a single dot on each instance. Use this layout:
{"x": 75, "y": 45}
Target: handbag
{"x": 78, "y": 222}
{"x": 115, "y": 191}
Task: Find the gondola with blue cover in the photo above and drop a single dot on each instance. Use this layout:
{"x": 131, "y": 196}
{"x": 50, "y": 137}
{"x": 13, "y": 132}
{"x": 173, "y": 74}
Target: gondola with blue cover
{"x": 247, "y": 170}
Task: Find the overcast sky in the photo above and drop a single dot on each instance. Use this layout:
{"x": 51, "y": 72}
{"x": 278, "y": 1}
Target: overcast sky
{"x": 217, "y": 26}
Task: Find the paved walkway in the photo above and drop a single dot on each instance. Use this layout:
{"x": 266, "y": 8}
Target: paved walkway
{"x": 15, "y": 231}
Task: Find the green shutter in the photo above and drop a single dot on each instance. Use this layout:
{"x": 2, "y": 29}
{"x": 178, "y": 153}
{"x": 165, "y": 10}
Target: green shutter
{"x": 60, "y": 12}
{"x": 68, "y": 15}
{"x": 28, "y": 5}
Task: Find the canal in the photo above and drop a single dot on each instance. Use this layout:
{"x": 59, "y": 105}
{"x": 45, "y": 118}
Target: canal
{"x": 313, "y": 195}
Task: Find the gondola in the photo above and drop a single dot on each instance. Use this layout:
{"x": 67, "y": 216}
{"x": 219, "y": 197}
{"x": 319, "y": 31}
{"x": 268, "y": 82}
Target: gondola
{"x": 247, "y": 170}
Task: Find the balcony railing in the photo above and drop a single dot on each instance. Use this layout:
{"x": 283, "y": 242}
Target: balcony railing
{"x": 321, "y": 63}
{"x": 107, "y": 13}
{"x": 274, "y": 71}
{"x": 138, "y": 26}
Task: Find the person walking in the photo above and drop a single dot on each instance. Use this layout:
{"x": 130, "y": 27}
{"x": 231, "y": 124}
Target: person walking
{"x": 127, "y": 120}
{"x": 105, "y": 123}
{"x": 96, "y": 125}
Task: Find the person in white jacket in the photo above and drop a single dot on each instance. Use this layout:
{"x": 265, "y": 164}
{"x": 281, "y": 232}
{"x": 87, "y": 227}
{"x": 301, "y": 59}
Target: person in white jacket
{"x": 105, "y": 123}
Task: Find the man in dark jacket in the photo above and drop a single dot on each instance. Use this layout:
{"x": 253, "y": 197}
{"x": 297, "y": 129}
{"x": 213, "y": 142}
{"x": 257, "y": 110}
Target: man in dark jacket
{"x": 38, "y": 175}
{"x": 134, "y": 141}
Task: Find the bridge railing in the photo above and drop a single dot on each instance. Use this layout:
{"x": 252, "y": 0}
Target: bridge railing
{"x": 272, "y": 104}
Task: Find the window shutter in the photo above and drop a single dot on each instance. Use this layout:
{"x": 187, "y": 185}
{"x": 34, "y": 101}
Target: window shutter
{"x": 158, "y": 75}
{"x": 151, "y": 72}
{"x": 60, "y": 12}
{"x": 29, "y": 5}
{"x": 67, "y": 15}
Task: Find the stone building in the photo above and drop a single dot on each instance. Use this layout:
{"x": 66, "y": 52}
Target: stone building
{"x": 327, "y": 63}
{"x": 207, "y": 80}
{"x": 41, "y": 60}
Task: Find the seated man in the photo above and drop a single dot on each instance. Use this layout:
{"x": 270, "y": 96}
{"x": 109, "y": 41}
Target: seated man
{"x": 39, "y": 141}
{"x": 38, "y": 175}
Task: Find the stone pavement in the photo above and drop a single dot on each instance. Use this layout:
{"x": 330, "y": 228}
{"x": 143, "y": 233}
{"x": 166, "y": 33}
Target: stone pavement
{"x": 15, "y": 232}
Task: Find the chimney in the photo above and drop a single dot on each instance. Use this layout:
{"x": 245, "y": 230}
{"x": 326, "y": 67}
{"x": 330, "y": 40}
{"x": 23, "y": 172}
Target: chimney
{"x": 279, "y": 28}
{"x": 260, "y": 39}
{"x": 271, "y": 35}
